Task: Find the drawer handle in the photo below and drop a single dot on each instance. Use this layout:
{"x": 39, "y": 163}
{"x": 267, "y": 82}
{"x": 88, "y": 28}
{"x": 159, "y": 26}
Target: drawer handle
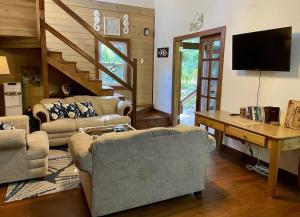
{"x": 245, "y": 137}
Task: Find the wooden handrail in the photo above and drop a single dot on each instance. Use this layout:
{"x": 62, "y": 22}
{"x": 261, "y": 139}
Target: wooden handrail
{"x": 93, "y": 32}
{"x": 186, "y": 99}
{"x": 87, "y": 56}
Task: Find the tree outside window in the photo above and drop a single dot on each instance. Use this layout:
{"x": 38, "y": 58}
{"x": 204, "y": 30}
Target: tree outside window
{"x": 113, "y": 62}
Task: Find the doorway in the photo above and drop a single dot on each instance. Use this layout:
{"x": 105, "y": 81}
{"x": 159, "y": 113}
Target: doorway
{"x": 197, "y": 74}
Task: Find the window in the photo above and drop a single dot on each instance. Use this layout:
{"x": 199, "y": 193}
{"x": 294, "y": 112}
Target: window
{"x": 113, "y": 62}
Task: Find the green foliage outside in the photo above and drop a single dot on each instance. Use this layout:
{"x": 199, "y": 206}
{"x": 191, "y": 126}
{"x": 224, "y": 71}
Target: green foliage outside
{"x": 189, "y": 75}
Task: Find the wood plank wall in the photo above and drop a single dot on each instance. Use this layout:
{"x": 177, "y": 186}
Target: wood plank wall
{"x": 18, "y": 18}
{"x": 141, "y": 46}
{"x": 18, "y": 58}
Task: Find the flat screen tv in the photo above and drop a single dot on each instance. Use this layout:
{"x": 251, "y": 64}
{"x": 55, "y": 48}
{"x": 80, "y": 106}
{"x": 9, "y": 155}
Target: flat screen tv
{"x": 268, "y": 50}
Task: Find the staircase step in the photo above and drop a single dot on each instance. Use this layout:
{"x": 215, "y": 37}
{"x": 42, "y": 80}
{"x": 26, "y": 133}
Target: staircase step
{"x": 152, "y": 119}
{"x": 142, "y": 109}
{"x": 55, "y": 55}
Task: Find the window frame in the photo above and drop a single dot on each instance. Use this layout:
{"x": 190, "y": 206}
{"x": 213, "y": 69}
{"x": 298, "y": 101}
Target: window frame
{"x": 97, "y": 55}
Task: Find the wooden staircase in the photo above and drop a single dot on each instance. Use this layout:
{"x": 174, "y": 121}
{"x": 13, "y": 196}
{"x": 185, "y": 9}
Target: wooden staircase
{"x": 81, "y": 77}
{"x": 69, "y": 69}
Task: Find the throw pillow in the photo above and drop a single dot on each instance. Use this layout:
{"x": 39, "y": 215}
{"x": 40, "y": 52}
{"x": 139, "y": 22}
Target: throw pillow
{"x": 72, "y": 110}
{"x": 56, "y": 110}
{"x": 86, "y": 109}
{"x": 6, "y": 126}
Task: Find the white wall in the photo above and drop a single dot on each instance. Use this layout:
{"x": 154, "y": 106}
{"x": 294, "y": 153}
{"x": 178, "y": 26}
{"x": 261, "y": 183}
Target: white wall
{"x": 239, "y": 87}
{"x": 138, "y": 3}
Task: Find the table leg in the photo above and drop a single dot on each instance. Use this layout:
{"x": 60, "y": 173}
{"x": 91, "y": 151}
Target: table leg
{"x": 274, "y": 162}
{"x": 219, "y": 139}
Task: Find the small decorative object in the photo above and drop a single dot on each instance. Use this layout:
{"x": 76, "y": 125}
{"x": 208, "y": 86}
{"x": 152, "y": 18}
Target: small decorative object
{"x": 97, "y": 20}
{"x": 7, "y": 126}
{"x": 66, "y": 89}
{"x": 119, "y": 128}
{"x": 163, "y": 52}
{"x": 146, "y": 32}
{"x": 243, "y": 112}
{"x": 126, "y": 24}
{"x": 31, "y": 76}
{"x": 292, "y": 119}
{"x": 112, "y": 26}
{"x": 197, "y": 22}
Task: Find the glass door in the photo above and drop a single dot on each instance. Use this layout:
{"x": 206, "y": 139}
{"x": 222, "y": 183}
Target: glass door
{"x": 209, "y": 78}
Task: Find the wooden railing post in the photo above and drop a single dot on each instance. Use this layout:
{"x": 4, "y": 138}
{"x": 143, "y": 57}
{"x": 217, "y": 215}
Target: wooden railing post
{"x": 43, "y": 47}
{"x": 134, "y": 92}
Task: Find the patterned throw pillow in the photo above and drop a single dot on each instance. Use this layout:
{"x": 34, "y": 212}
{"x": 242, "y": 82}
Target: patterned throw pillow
{"x": 72, "y": 110}
{"x": 86, "y": 109}
{"x": 6, "y": 126}
{"x": 56, "y": 110}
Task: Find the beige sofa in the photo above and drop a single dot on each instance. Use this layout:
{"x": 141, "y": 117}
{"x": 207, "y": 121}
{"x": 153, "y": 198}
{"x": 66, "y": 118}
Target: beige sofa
{"x": 120, "y": 171}
{"x": 22, "y": 155}
{"x": 110, "y": 111}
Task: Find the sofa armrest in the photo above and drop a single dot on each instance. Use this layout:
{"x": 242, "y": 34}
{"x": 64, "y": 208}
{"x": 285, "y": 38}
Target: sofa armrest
{"x": 12, "y": 139}
{"x": 124, "y": 108}
{"x": 41, "y": 113}
{"x": 19, "y": 121}
{"x": 79, "y": 147}
{"x": 38, "y": 145}
{"x": 212, "y": 143}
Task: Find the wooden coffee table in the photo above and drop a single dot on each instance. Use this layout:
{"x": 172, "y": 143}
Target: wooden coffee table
{"x": 100, "y": 130}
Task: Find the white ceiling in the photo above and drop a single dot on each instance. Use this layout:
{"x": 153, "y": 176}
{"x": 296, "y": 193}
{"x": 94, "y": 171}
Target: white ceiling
{"x": 138, "y": 3}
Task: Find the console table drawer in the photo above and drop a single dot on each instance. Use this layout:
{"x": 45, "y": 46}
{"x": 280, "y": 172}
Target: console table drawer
{"x": 246, "y": 135}
{"x": 211, "y": 123}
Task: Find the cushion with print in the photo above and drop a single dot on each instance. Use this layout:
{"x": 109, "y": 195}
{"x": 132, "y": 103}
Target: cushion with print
{"x": 6, "y": 126}
{"x": 86, "y": 109}
{"x": 56, "y": 110}
{"x": 72, "y": 110}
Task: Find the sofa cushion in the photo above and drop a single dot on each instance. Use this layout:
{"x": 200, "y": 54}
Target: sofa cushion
{"x": 115, "y": 119}
{"x": 56, "y": 110}
{"x": 88, "y": 122}
{"x": 72, "y": 110}
{"x": 51, "y": 100}
{"x": 59, "y": 126}
{"x": 107, "y": 104}
{"x": 86, "y": 109}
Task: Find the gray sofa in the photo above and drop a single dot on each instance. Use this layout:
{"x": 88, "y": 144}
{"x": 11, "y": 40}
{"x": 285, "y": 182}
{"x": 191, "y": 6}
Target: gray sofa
{"x": 120, "y": 171}
{"x": 22, "y": 155}
{"x": 110, "y": 111}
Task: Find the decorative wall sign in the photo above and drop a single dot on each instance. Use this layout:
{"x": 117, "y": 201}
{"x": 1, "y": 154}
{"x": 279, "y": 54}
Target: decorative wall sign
{"x": 126, "y": 24}
{"x": 197, "y": 22}
{"x": 112, "y": 26}
{"x": 97, "y": 20}
{"x": 163, "y": 52}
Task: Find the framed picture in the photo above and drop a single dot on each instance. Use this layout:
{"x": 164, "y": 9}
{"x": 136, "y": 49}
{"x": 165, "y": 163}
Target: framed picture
{"x": 112, "y": 26}
{"x": 292, "y": 119}
{"x": 31, "y": 76}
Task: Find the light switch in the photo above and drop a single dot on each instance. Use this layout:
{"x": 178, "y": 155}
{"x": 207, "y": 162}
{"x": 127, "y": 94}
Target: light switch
{"x": 142, "y": 60}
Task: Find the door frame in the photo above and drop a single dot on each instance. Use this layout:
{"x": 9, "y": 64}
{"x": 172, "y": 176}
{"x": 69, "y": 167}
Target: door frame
{"x": 176, "y": 73}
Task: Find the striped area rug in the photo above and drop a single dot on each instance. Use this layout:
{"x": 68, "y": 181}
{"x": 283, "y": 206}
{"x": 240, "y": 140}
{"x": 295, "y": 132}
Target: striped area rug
{"x": 63, "y": 175}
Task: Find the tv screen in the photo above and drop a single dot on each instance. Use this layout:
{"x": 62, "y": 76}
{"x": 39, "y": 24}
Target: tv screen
{"x": 268, "y": 50}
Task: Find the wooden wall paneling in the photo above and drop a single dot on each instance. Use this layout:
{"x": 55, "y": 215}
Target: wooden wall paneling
{"x": 141, "y": 46}
{"x": 18, "y": 58}
{"x": 18, "y": 18}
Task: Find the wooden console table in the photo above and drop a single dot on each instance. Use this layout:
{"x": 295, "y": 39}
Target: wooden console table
{"x": 274, "y": 138}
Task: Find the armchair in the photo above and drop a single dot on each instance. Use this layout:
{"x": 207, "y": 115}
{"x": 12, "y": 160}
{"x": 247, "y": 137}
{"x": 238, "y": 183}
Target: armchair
{"x": 22, "y": 155}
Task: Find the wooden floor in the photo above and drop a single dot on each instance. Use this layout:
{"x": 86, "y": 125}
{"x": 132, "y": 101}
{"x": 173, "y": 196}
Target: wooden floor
{"x": 231, "y": 191}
